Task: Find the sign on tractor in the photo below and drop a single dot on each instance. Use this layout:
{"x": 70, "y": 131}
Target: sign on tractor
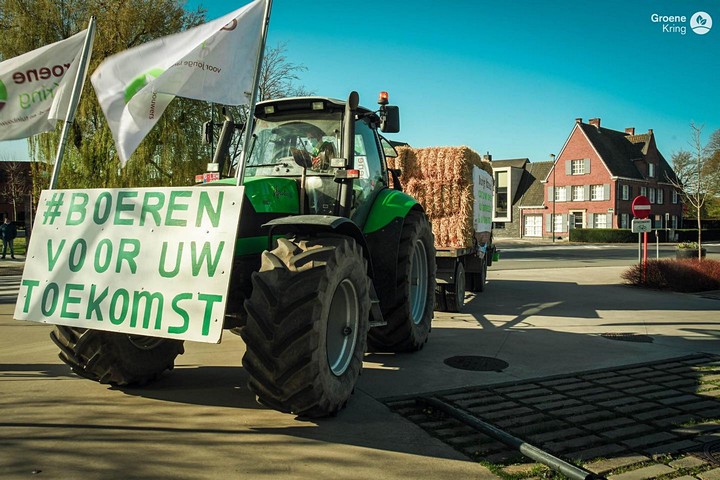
{"x": 641, "y": 207}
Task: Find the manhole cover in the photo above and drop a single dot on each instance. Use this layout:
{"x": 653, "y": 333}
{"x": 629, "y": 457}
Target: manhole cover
{"x": 477, "y": 363}
{"x": 628, "y": 337}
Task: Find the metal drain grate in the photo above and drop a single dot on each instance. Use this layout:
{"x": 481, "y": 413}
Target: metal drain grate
{"x": 477, "y": 363}
{"x": 709, "y": 452}
{"x": 628, "y": 337}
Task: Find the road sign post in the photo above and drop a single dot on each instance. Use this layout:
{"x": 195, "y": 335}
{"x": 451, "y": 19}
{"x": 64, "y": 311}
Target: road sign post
{"x": 641, "y": 210}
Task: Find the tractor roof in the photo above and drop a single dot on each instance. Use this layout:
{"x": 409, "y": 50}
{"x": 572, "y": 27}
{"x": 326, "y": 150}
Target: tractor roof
{"x": 284, "y": 106}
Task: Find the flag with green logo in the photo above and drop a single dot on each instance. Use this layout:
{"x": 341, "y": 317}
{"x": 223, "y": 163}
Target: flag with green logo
{"x": 35, "y": 87}
{"x": 214, "y": 62}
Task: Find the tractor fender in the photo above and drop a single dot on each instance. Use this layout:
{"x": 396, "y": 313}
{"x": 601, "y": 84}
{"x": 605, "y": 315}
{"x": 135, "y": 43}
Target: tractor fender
{"x": 311, "y": 224}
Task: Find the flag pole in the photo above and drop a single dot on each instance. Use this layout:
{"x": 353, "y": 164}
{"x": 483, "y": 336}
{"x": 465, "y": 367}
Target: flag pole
{"x": 253, "y": 96}
{"x": 74, "y": 99}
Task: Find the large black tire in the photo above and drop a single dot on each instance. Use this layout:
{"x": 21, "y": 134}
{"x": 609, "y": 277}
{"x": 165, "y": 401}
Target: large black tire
{"x": 455, "y": 292}
{"x": 115, "y": 358}
{"x": 409, "y": 316}
{"x": 307, "y": 325}
{"x": 476, "y": 280}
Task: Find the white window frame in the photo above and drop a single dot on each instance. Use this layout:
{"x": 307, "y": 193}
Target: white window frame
{"x": 643, "y": 191}
{"x": 560, "y": 194}
{"x": 597, "y": 192}
{"x": 577, "y": 167}
{"x": 577, "y": 197}
{"x": 660, "y": 196}
{"x": 626, "y": 192}
{"x": 675, "y": 197}
{"x": 651, "y": 195}
{"x": 600, "y": 220}
{"x": 651, "y": 170}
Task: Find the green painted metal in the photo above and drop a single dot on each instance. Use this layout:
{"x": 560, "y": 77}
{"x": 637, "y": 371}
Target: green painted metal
{"x": 389, "y": 205}
{"x": 269, "y": 194}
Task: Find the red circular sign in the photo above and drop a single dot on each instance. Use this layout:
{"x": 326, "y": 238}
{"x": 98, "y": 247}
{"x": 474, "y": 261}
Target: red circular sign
{"x": 641, "y": 207}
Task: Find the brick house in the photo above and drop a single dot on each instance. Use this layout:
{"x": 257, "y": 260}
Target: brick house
{"x": 595, "y": 178}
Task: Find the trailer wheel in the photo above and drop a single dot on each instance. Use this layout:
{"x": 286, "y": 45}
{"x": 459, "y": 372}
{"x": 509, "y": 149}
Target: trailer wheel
{"x": 409, "y": 317}
{"x": 455, "y": 293}
{"x": 306, "y": 331}
{"x": 115, "y": 358}
{"x": 476, "y": 280}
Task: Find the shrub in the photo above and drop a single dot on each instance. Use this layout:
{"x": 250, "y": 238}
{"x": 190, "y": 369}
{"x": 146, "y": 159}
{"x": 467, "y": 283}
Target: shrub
{"x": 602, "y": 235}
{"x": 689, "y": 275}
{"x": 687, "y": 234}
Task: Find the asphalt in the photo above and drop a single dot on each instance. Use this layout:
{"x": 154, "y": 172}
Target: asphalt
{"x": 556, "y": 342}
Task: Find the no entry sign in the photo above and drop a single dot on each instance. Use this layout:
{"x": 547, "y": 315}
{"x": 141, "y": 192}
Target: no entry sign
{"x": 641, "y": 207}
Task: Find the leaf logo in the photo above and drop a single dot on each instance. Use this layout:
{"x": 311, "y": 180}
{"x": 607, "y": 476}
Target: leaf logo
{"x": 701, "y": 23}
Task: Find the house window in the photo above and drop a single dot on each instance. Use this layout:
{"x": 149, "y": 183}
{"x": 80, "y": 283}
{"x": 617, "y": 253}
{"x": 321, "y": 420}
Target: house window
{"x": 643, "y": 191}
{"x": 675, "y": 196}
{"x": 559, "y": 223}
{"x": 652, "y": 195}
{"x": 597, "y": 192}
{"x": 624, "y": 220}
{"x": 660, "y": 195}
{"x": 674, "y": 221}
{"x": 578, "y": 167}
{"x": 578, "y": 193}
{"x": 626, "y": 192}
{"x": 600, "y": 220}
{"x": 501, "y": 194}
{"x": 560, "y": 194}
{"x": 651, "y": 170}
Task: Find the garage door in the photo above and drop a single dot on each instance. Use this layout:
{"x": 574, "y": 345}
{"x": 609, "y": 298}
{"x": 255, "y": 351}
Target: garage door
{"x": 533, "y": 226}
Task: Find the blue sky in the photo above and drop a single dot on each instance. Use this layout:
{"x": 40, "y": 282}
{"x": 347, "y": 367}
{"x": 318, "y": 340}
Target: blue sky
{"x": 507, "y": 77}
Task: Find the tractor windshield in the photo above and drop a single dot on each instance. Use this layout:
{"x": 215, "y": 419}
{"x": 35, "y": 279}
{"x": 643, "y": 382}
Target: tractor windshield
{"x": 284, "y": 145}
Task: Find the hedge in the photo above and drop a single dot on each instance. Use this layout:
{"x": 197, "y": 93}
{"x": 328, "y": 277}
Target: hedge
{"x": 690, "y": 234}
{"x": 602, "y": 235}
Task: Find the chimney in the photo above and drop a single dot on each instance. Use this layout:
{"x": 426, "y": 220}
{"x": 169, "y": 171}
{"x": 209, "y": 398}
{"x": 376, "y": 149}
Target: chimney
{"x": 595, "y": 122}
{"x": 650, "y": 131}
{"x": 487, "y": 157}
{"x": 630, "y": 130}
{"x": 578, "y": 120}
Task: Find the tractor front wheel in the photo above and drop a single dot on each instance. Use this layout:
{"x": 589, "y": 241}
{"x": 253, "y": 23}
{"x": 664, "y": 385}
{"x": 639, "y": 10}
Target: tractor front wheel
{"x": 409, "y": 316}
{"x": 115, "y": 358}
{"x": 307, "y": 324}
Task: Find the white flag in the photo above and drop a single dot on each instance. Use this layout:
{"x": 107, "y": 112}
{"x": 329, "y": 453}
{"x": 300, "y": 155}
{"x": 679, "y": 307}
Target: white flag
{"x": 214, "y": 62}
{"x": 35, "y": 88}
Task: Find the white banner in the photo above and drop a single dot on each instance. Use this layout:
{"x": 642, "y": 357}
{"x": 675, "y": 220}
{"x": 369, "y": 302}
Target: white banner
{"x": 214, "y": 62}
{"x": 483, "y": 200}
{"x": 35, "y": 88}
{"x": 147, "y": 261}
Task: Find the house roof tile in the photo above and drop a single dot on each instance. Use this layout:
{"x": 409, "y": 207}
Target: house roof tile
{"x": 530, "y": 190}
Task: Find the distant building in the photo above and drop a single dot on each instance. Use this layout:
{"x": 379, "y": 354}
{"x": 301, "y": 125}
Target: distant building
{"x": 590, "y": 185}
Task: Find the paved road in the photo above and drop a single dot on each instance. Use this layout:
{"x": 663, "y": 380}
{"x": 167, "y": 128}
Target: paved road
{"x": 200, "y": 421}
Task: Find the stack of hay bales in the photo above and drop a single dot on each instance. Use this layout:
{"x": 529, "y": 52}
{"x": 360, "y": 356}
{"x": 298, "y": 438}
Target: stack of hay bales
{"x": 440, "y": 178}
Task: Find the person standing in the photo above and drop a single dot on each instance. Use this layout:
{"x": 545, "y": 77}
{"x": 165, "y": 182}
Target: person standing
{"x": 8, "y": 231}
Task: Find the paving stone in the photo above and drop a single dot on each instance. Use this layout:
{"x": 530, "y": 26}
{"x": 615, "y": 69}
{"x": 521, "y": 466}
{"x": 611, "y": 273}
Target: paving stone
{"x": 633, "y": 430}
{"x": 600, "y": 397}
{"x": 577, "y": 386}
{"x": 609, "y": 464}
{"x": 653, "y": 373}
{"x": 656, "y": 413}
{"x": 652, "y": 471}
{"x": 680, "y": 399}
{"x": 564, "y": 403}
{"x": 710, "y": 378}
{"x": 612, "y": 380}
{"x": 524, "y": 394}
{"x": 713, "y": 474}
{"x": 605, "y": 450}
{"x": 490, "y": 408}
{"x": 585, "y": 392}
{"x": 596, "y": 416}
{"x": 555, "y": 436}
{"x": 546, "y": 398}
{"x": 518, "y": 388}
{"x": 520, "y": 420}
{"x": 454, "y": 431}
{"x": 504, "y": 456}
{"x": 698, "y": 429}
{"x": 607, "y": 424}
{"x": 481, "y": 400}
{"x": 682, "y": 382}
{"x": 702, "y": 405}
{"x": 687, "y": 462}
{"x": 513, "y": 412}
{"x": 571, "y": 411}
{"x": 644, "y": 389}
{"x": 573, "y": 444}
{"x": 670, "y": 448}
{"x": 634, "y": 383}
{"x": 652, "y": 439}
{"x": 520, "y": 469}
{"x": 617, "y": 402}
{"x": 633, "y": 371}
{"x": 637, "y": 407}
{"x": 710, "y": 393}
{"x": 559, "y": 381}
{"x": 600, "y": 375}
{"x": 676, "y": 420}
{"x": 685, "y": 477}
{"x": 540, "y": 427}
{"x": 474, "y": 394}
{"x": 661, "y": 394}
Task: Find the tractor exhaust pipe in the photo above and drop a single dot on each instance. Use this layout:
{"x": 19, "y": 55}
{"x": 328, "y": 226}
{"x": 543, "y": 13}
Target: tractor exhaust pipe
{"x": 346, "y": 190}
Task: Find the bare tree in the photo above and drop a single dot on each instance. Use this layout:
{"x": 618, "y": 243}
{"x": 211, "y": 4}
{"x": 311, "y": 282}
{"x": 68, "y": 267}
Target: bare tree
{"x": 697, "y": 174}
{"x": 14, "y": 183}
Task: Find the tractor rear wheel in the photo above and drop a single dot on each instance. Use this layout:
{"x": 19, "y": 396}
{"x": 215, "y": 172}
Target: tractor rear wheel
{"x": 115, "y": 358}
{"x": 409, "y": 317}
{"x": 306, "y": 331}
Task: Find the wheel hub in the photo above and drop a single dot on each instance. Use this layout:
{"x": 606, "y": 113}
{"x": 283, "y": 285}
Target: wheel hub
{"x": 342, "y": 325}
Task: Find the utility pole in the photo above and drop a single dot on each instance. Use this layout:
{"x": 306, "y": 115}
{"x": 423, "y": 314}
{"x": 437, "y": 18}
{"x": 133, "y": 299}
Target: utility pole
{"x": 554, "y": 196}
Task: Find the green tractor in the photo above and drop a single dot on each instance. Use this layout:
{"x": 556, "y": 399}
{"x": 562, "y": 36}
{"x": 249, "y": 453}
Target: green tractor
{"x": 329, "y": 262}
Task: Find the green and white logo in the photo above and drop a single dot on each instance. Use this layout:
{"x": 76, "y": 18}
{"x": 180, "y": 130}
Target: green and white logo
{"x": 3, "y": 95}
{"x": 140, "y": 81}
{"x": 701, "y": 23}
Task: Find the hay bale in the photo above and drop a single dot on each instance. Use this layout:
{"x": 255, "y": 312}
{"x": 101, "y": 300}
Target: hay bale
{"x": 406, "y": 161}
